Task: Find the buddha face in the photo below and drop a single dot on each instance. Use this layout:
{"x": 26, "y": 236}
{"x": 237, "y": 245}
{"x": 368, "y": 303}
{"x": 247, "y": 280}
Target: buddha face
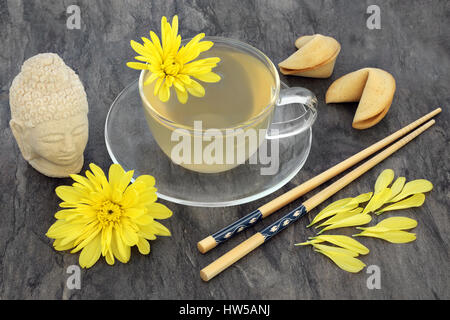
{"x": 61, "y": 142}
{"x": 49, "y": 115}
{"x": 55, "y": 147}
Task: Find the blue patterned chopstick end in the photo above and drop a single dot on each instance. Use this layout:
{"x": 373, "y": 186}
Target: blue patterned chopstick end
{"x": 238, "y": 226}
{"x": 282, "y": 223}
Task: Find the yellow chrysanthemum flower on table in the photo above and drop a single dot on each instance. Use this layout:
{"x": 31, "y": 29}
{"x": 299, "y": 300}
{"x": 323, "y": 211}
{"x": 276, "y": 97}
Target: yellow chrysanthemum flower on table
{"x": 107, "y": 218}
{"x": 171, "y": 65}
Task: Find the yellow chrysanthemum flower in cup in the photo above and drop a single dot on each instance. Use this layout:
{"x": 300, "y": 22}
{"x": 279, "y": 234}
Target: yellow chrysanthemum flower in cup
{"x": 171, "y": 65}
{"x": 107, "y": 218}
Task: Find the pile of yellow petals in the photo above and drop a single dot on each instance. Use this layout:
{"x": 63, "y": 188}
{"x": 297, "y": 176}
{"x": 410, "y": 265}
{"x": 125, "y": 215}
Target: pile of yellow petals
{"x": 343, "y": 213}
{"x": 392, "y": 230}
{"x": 400, "y": 195}
{"x": 388, "y": 195}
{"x": 343, "y": 254}
{"x": 107, "y": 218}
{"x": 342, "y": 206}
{"x": 172, "y": 66}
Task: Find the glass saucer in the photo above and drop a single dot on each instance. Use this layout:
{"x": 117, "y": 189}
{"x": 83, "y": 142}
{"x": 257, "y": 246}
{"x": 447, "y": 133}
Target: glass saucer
{"x": 131, "y": 144}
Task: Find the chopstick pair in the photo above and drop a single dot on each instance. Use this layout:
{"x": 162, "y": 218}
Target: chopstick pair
{"x": 264, "y": 211}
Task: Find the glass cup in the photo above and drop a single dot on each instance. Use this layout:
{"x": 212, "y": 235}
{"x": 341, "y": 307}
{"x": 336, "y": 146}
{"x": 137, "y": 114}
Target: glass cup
{"x": 236, "y": 144}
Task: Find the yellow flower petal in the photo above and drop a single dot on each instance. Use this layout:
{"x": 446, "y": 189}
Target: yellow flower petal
{"x": 139, "y": 48}
{"x": 97, "y": 197}
{"x": 84, "y": 181}
{"x": 85, "y": 240}
{"x": 352, "y": 221}
{"x": 306, "y": 243}
{"x": 147, "y": 197}
{"x": 413, "y": 187}
{"x": 77, "y": 235}
{"x": 91, "y": 253}
{"x": 147, "y": 232}
{"x": 156, "y": 43}
{"x": 200, "y": 66}
{"x": 106, "y": 238}
{"x": 393, "y": 236}
{"x": 164, "y": 92}
{"x": 178, "y": 84}
{"x": 378, "y": 200}
{"x": 115, "y": 175}
{"x": 134, "y": 213}
{"x": 158, "y": 86}
{"x": 188, "y": 52}
{"x": 147, "y": 179}
{"x": 341, "y": 205}
{"x": 184, "y": 78}
{"x": 100, "y": 177}
{"x": 68, "y": 194}
{"x": 340, "y": 216}
{"x": 397, "y": 186}
{"x": 159, "y": 211}
{"x": 159, "y": 229}
{"x": 143, "y": 246}
{"x": 144, "y": 59}
{"x": 338, "y": 204}
{"x": 129, "y": 199}
{"x": 414, "y": 201}
{"x": 57, "y": 224}
{"x": 182, "y": 96}
{"x": 384, "y": 180}
{"x": 61, "y": 228}
{"x": 122, "y": 252}
{"x": 90, "y": 230}
{"x": 363, "y": 197}
{"x": 128, "y": 235}
{"x": 109, "y": 257}
{"x": 196, "y": 89}
{"x": 344, "y": 242}
{"x": 137, "y": 65}
{"x": 65, "y": 213}
{"x": 124, "y": 181}
{"x": 175, "y": 25}
{"x": 393, "y": 223}
{"x": 59, "y": 247}
{"x": 152, "y": 77}
{"x": 154, "y": 55}
{"x": 208, "y": 77}
{"x": 204, "y": 45}
{"x": 327, "y": 248}
{"x": 375, "y": 229}
{"x": 345, "y": 262}
{"x": 164, "y": 33}
{"x": 144, "y": 219}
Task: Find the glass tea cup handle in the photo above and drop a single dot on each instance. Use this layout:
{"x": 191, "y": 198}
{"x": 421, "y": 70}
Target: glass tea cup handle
{"x": 305, "y": 101}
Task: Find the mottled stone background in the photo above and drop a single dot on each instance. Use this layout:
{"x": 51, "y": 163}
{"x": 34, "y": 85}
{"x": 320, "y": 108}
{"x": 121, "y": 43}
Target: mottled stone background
{"x": 413, "y": 44}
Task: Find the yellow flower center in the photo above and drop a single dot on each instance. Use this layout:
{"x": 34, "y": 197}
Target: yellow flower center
{"x": 109, "y": 212}
{"x": 170, "y": 67}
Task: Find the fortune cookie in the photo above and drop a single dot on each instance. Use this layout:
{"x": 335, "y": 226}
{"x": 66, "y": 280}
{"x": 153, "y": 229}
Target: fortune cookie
{"x": 315, "y": 57}
{"x": 373, "y": 88}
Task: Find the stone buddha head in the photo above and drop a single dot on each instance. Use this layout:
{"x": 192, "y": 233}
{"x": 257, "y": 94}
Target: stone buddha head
{"x": 49, "y": 115}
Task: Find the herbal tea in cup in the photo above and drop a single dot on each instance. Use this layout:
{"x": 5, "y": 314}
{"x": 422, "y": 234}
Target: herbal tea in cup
{"x": 223, "y": 128}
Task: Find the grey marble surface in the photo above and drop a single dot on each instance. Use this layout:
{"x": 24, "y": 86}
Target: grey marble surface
{"x": 412, "y": 44}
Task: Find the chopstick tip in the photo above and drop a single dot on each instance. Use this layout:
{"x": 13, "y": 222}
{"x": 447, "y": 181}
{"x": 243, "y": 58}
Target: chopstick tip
{"x": 206, "y": 244}
{"x": 204, "y": 276}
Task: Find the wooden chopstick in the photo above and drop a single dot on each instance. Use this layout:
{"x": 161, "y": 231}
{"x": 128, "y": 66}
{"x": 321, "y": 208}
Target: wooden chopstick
{"x": 267, "y": 209}
{"x": 267, "y": 233}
